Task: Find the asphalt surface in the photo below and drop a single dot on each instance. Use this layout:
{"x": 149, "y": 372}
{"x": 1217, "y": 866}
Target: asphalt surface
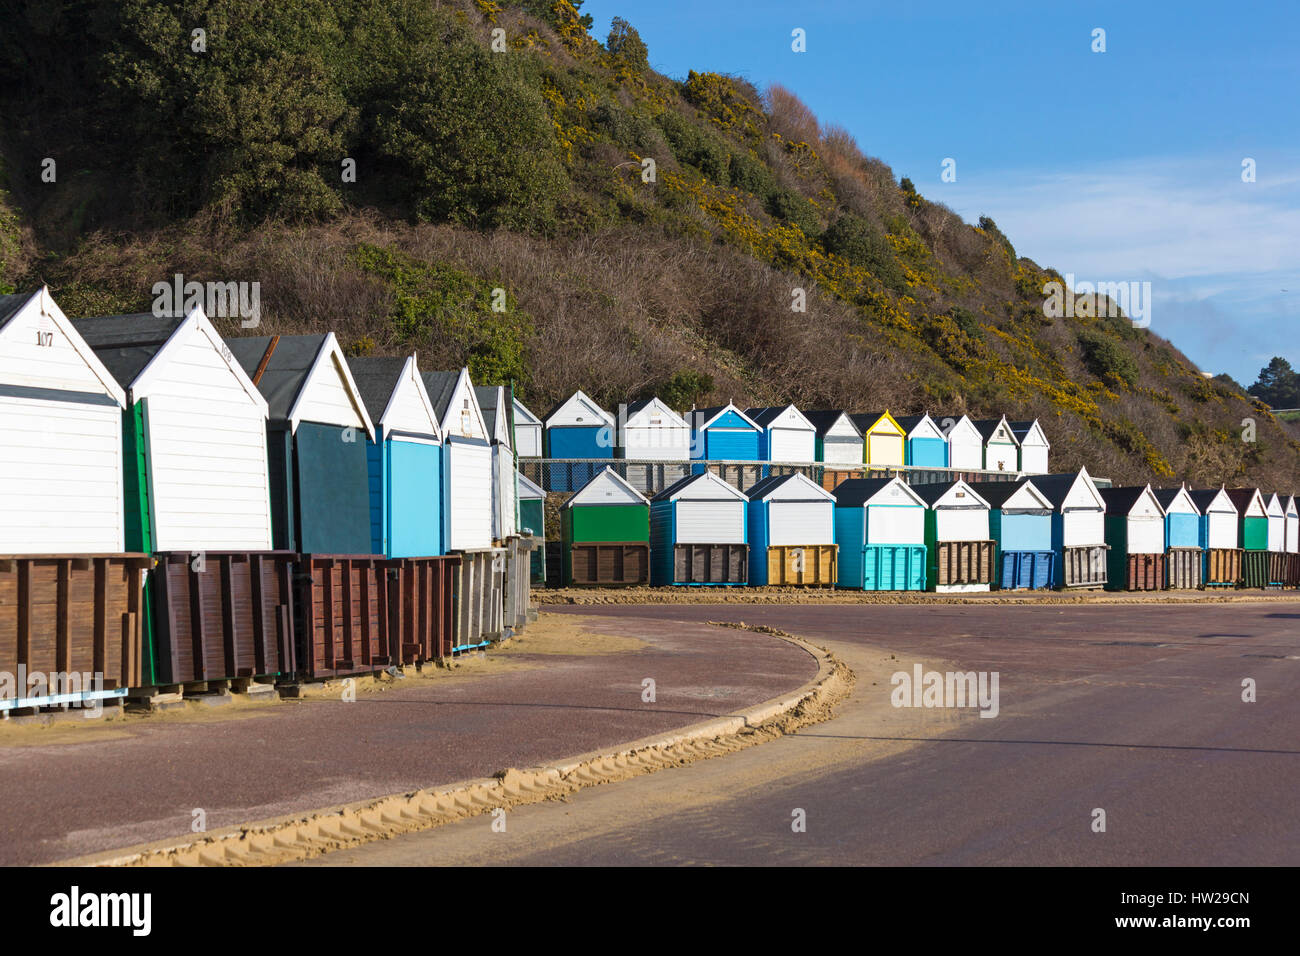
{"x": 133, "y": 781}
{"x": 1133, "y": 710}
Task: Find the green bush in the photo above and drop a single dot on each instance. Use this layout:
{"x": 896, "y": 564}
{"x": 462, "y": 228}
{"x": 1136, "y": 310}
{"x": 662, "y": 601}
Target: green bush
{"x": 863, "y": 245}
{"x": 433, "y": 300}
{"x": 1107, "y": 358}
{"x": 685, "y": 388}
{"x": 795, "y": 209}
{"x": 750, "y": 174}
{"x": 695, "y": 147}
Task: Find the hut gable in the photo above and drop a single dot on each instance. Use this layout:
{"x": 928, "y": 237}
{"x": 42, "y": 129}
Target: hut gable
{"x": 607, "y": 488}
{"x": 528, "y": 431}
{"x": 1132, "y": 502}
{"x": 833, "y": 423}
{"x": 492, "y": 402}
{"x": 1274, "y": 506}
{"x": 787, "y": 434}
{"x": 723, "y": 416}
{"x": 529, "y": 490}
{"x": 1176, "y": 501}
{"x": 179, "y": 358}
{"x": 863, "y": 492}
{"x": 965, "y": 443}
{"x": 1011, "y": 497}
{"x": 1212, "y": 501}
{"x": 454, "y": 402}
{"x": 1249, "y": 502}
{"x": 1029, "y": 433}
{"x": 792, "y": 487}
{"x": 395, "y": 397}
{"x": 41, "y": 350}
{"x": 304, "y": 378}
{"x": 1071, "y": 492}
{"x": 951, "y": 494}
{"x": 702, "y": 487}
{"x": 649, "y": 429}
{"x": 878, "y": 423}
{"x": 920, "y": 426}
{"x": 578, "y": 411}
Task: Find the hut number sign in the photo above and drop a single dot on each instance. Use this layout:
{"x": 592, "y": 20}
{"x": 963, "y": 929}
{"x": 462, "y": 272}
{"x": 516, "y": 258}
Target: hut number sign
{"x": 44, "y": 339}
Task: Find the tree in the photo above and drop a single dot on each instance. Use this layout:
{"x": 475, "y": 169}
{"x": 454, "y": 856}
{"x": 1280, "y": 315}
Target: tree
{"x": 1278, "y": 385}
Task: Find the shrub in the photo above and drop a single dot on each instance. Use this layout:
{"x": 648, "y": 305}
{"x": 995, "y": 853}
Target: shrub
{"x": 862, "y": 245}
{"x": 1107, "y": 359}
{"x": 795, "y": 209}
{"x": 685, "y": 389}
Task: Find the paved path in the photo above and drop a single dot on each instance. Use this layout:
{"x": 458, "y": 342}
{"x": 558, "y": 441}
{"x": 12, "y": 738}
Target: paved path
{"x": 1135, "y": 710}
{"x": 74, "y": 790}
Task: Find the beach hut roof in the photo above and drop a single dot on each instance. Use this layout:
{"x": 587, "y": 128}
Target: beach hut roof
{"x": 1121, "y": 501}
{"x": 996, "y": 493}
{"x": 866, "y": 421}
{"x": 11, "y": 306}
{"x": 1022, "y": 429}
{"x": 282, "y": 366}
{"x": 764, "y": 417}
{"x": 694, "y": 484}
{"x": 704, "y": 417}
{"x": 1056, "y": 488}
{"x": 1207, "y": 498}
{"x": 770, "y": 485}
{"x": 1247, "y": 498}
{"x": 523, "y": 416}
{"x": 856, "y": 492}
{"x": 637, "y": 407}
{"x": 529, "y": 489}
{"x": 490, "y": 398}
{"x": 607, "y": 487}
{"x": 988, "y": 426}
{"x": 442, "y": 388}
{"x": 934, "y": 492}
{"x": 576, "y": 410}
{"x": 130, "y": 346}
{"x": 1167, "y": 497}
{"x": 378, "y": 378}
{"x": 825, "y": 419}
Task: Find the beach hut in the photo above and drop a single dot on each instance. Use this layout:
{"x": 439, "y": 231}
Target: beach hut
{"x": 1218, "y": 537}
{"x": 883, "y": 438}
{"x": 958, "y": 541}
{"x": 651, "y": 432}
{"x": 1292, "y": 541}
{"x": 1078, "y": 529}
{"x": 405, "y": 459}
{"x": 787, "y": 436}
{"x": 838, "y": 441}
{"x": 698, "y": 533}
{"x": 605, "y": 533}
{"x": 880, "y": 529}
{"x": 61, "y": 470}
{"x": 528, "y": 432}
{"x": 467, "y": 449}
{"x": 577, "y": 428}
{"x": 316, "y": 442}
{"x": 467, "y": 508}
{"x": 1020, "y": 523}
{"x": 494, "y": 402}
{"x": 724, "y": 433}
{"x": 532, "y": 521}
{"x": 1135, "y": 531}
{"x": 965, "y": 443}
{"x": 1252, "y": 535}
{"x": 791, "y": 532}
{"x": 926, "y": 445}
{"x": 1001, "y": 450}
{"x": 1184, "y": 556}
{"x": 1034, "y": 446}
{"x": 1275, "y": 504}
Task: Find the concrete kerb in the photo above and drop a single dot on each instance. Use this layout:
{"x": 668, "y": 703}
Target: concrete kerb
{"x": 303, "y": 835}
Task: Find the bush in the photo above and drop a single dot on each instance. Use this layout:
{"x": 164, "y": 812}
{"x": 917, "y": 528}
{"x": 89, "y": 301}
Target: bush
{"x": 696, "y": 147}
{"x": 685, "y": 389}
{"x": 750, "y": 174}
{"x": 1107, "y": 359}
{"x": 795, "y": 209}
{"x": 862, "y": 245}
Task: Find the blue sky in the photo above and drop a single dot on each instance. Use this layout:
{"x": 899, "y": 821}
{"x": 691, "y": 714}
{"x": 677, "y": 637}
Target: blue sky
{"x": 1117, "y": 166}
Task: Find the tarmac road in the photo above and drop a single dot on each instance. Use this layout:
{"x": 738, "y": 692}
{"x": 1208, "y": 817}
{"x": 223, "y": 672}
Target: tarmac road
{"x": 1134, "y": 710}
{"x": 86, "y": 786}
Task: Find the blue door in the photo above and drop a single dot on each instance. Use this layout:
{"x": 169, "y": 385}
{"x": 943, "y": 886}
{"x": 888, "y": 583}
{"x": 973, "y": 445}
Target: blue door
{"x": 414, "y": 500}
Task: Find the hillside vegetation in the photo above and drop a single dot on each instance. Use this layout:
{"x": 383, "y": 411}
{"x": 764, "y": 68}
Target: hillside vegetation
{"x": 523, "y": 171}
